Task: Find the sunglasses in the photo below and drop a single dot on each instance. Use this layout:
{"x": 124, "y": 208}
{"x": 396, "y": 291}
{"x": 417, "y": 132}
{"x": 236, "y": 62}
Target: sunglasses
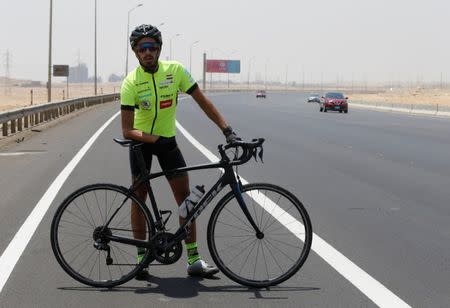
{"x": 152, "y": 47}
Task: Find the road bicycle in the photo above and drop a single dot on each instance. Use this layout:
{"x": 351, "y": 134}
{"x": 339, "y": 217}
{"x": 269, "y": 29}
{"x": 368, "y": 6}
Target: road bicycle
{"x": 259, "y": 235}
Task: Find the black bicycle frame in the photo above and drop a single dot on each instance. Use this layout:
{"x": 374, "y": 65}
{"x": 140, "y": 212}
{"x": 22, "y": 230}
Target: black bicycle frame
{"x": 228, "y": 178}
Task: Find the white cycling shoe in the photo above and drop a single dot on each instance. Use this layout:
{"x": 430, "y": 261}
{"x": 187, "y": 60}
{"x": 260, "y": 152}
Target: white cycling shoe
{"x": 201, "y": 269}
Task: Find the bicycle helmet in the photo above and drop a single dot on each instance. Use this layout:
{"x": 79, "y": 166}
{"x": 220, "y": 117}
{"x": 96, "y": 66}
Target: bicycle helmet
{"x": 144, "y": 31}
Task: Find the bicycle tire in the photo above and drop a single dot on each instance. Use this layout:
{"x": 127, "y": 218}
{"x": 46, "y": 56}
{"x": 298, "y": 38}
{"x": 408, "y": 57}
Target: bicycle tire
{"x": 82, "y": 211}
{"x": 295, "y": 220}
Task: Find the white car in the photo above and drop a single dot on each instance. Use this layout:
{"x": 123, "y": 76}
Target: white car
{"x": 314, "y": 98}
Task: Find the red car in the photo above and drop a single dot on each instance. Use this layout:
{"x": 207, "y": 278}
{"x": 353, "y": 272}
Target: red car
{"x": 334, "y": 101}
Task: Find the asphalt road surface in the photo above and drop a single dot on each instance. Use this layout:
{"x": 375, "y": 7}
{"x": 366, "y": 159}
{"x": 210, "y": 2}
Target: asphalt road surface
{"x": 376, "y": 185}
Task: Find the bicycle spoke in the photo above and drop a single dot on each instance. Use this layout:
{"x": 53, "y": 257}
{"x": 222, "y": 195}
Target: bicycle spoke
{"x": 98, "y": 207}
{"x": 82, "y": 213}
{"x": 278, "y": 218}
{"x": 236, "y": 227}
{"x": 286, "y": 255}
{"x": 234, "y": 258}
{"x": 256, "y": 259}
{"x": 76, "y": 246}
{"x": 89, "y": 210}
{"x": 76, "y": 227}
{"x": 246, "y": 259}
{"x": 275, "y": 259}
{"x": 274, "y": 205}
{"x": 75, "y": 224}
{"x": 261, "y": 259}
{"x": 239, "y": 243}
{"x": 265, "y": 260}
{"x": 84, "y": 264}
{"x": 247, "y": 224}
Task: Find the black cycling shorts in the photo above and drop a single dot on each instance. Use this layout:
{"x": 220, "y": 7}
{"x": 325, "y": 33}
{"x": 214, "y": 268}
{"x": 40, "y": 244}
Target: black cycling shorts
{"x": 167, "y": 152}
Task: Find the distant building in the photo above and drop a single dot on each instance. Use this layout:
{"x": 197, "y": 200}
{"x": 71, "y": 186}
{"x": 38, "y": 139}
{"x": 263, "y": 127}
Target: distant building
{"x": 78, "y": 74}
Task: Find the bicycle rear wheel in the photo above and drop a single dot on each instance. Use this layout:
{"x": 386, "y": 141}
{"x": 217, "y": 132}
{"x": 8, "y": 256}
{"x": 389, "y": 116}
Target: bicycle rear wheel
{"x": 260, "y": 262}
{"x": 82, "y": 221}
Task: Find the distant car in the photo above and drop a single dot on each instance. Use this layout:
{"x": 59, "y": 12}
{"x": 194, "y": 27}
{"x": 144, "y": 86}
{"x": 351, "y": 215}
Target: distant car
{"x": 335, "y": 101}
{"x": 261, "y": 93}
{"x": 314, "y": 98}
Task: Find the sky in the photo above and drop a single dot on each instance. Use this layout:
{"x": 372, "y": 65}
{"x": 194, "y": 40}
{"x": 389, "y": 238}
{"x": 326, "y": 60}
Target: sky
{"x": 293, "y": 40}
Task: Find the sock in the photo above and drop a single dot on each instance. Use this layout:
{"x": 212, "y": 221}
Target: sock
{"x": 192, "y": 252}
{"x": 140, "y": 254}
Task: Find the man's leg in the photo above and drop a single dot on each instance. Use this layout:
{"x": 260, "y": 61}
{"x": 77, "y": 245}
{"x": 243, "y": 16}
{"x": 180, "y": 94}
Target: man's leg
{"x": 180, "y": 189}
{"x": 139, "y": 228}
{"x": 137, "y": 217}
{"x": 196, "y": 266}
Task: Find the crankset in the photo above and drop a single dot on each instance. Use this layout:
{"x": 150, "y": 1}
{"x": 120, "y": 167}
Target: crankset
{"x": 165, "y": 250}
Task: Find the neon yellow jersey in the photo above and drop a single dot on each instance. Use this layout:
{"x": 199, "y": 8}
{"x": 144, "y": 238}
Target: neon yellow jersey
{"x": 153, "y": 97}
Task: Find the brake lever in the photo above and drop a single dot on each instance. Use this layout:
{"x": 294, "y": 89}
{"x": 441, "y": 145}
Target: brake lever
{"x": 260, "y": 154}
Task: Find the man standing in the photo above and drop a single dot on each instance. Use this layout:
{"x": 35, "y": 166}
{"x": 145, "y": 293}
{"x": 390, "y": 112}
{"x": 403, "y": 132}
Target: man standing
{"x": 148, "y": 109}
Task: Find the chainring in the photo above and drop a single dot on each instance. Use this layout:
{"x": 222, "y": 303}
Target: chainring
{"x": 164, "y": 254}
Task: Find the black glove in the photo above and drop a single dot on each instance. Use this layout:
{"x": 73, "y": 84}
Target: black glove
{"x": 230, "y": 135}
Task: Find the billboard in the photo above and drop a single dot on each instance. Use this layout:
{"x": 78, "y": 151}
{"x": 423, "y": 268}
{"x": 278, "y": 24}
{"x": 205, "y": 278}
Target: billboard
{"x": 223, "y": 66}
{"x": 61, "y": 70}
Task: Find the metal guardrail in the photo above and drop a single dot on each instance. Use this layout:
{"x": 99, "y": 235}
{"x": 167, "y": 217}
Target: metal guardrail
{"x": 19, "y": 119}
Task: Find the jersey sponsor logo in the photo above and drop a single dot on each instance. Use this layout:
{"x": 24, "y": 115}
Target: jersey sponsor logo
{"x": 166, "y": 96}
{"x": 168, "y": 81}
{"x": 143, "y": 90}
{"x": 145, "y": 105}
{"x": 165, "y": 104}
{"x": 144, "y": 95}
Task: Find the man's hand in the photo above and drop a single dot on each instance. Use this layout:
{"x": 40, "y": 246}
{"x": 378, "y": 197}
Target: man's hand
{"x": 230, "y": 135}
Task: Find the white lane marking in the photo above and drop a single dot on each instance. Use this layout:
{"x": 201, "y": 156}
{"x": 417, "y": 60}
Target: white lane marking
{"x": 368, "y": 285}
{"x": 14, "y": 154}
{"x": 18, "y": 244}
{"x": 21, "y": 153}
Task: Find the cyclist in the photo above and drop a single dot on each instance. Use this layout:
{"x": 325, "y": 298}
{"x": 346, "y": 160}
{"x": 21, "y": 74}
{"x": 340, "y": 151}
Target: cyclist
{"x": 148, "y": 108}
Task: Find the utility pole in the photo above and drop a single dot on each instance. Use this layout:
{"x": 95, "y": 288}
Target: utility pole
{"x": 7, "y": 72}
{"x": 49, "y": 81}
{"x": 286, "y": 77}
{"x": 204, "y": 71}
{"x": 95, "y": 49}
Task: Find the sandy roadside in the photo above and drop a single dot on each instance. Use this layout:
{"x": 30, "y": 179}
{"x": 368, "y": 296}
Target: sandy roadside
{"x": 17, "y": 97}
{"x": 415, "y": 97}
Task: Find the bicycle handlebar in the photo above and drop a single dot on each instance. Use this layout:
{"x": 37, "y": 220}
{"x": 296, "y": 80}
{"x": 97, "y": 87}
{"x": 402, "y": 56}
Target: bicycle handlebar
{"x": 250, "y": 149}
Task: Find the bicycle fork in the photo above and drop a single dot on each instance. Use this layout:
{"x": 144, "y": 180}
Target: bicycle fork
{"x": 236, "y": 187}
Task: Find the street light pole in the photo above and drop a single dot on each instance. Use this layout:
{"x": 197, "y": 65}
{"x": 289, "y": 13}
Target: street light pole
{"x": 190, "y": 57}
{"x": 249, "y": 65}
{"x": 95, "y": 50}
{"x": 49, "y": 81}
{"x": 265, "y": 75}
{"x": 170, "y": 52}
{"x": 228, "y": 75}
{"x": 128, "y": 32}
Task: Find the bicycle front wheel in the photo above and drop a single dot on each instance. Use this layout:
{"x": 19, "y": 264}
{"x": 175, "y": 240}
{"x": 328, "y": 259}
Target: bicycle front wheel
{"x": 254, "y": 261}
{"x": 81, "y": 227}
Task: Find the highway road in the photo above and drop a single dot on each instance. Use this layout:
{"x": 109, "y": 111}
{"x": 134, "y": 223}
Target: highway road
{"x": 376, "y": 185}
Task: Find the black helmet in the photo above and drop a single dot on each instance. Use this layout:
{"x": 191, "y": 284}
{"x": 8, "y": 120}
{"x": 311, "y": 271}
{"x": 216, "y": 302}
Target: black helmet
{"x": 145, "y": 31}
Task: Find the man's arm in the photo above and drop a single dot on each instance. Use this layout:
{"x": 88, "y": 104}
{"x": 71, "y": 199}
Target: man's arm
{"x": 209, "y": 109}
{"x": 129, "y": 132}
